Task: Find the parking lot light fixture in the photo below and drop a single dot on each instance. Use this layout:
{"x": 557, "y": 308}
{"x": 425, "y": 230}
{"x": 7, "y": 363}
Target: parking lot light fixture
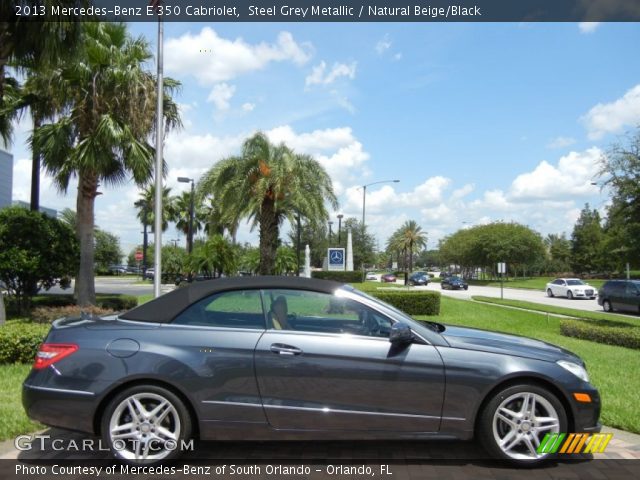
{"x": 364, "y": 195}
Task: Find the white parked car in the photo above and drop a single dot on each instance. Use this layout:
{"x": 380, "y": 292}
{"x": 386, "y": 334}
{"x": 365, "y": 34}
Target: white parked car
{"x": 371, "y": 277}
{"x": 571, "y": 288}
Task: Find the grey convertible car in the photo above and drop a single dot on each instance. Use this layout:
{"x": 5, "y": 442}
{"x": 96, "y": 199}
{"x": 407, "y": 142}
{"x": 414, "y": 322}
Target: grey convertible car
{"x": 296, "y": 358}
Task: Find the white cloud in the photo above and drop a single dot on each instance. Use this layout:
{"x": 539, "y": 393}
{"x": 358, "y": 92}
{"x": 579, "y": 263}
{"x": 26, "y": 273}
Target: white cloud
{"x": 588, "y": 27}
{"x": 320, "y": 76}
{"x": 383, "y": 44}
{"x": 561, "y": 142}
{"x": 615, "y": 116}
{"x": 221, "y": 95}
{"x": 571, "y": 177}
{"x": 248, "y": 107}
{"x": 211, "y": 58}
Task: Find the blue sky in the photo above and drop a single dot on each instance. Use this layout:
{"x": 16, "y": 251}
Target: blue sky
{"x": 479, "y": 122}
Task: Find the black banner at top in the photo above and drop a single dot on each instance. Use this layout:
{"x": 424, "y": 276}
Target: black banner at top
{"x": 327, "y": 10}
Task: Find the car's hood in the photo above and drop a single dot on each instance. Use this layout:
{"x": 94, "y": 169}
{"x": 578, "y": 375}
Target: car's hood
{"x": 474, "y": 339}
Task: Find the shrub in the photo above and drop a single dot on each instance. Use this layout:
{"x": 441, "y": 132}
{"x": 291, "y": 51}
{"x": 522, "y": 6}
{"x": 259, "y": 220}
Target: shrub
{"x": 116, "y": 302}
{"x": 619, "y": 334}
{"x": 339, "y": 276}
{"x": 411, "y": 302}
{"x": 19, "y": 341}
{"x": 49, "y": 314}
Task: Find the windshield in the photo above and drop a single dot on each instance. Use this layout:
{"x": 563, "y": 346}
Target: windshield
{"x": 575, "y": 282}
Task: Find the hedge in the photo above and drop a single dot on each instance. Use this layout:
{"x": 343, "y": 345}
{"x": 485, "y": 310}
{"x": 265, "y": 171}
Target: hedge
{"x": 19, "y": 341}
{"x": 106, "y": 301}
{"x": 411, "y": 302}
{"x": 619, "y": 334}
{"x": 49, "y": 314}
{"x": 339, "y": 276}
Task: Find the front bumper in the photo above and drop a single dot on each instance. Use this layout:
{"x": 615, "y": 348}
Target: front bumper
{"x": 586, "y": 415}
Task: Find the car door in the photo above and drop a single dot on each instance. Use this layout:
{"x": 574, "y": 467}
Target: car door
{"x": 559, "y": 287}
{"x": 616, "y": 296}
{"x": 216, "y": 337}
{"x": 631, "y": 298}
{"x": 334, "y": 368}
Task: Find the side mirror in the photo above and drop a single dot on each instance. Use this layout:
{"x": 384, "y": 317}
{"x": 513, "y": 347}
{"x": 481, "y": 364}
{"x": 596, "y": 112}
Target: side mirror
{"x": 400, "y": 333}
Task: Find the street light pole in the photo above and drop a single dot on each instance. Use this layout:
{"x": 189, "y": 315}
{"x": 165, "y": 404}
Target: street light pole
{"x": 157, "y": 259}
{"x": 330, "y": 223}
{"x": 339, "y": 227}
{"x": 298, "y": 244}
{"x": 191, "y": 212}
{"x": 364, "y": 196}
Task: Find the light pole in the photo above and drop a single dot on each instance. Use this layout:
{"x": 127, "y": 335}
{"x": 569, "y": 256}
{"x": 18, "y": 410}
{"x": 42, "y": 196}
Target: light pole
{"x": 190, "y": 234}
{"x": 298, "y": 243}
{"x": 364, "y": 195}
{"x": 330, "y": 223}
{"x": 339, "y": 226}
{"x": 157, "y": 232}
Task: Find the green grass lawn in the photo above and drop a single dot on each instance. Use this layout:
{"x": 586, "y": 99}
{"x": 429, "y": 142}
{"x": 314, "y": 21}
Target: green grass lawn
{"x": 569, "y": 312}
{"x": 13, "y": 420}
{"x": 533, "y": 283}
{"x": 613, "y": 370}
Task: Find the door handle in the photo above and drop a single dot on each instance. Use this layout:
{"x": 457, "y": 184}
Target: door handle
{"x": 282, "y": 349}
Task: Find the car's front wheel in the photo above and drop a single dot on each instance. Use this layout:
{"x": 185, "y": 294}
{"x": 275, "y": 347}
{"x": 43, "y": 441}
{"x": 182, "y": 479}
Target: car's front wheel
{"x": 569, "y": 294}
{"x": 145, "y": 424}
{"x": 606, "y": 306}
{"x": 515, "y": 421}
{"x": 549, "y": 293}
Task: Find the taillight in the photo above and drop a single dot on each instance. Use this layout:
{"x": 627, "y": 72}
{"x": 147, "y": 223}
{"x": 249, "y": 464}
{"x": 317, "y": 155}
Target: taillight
{"x": 50, "y": 353}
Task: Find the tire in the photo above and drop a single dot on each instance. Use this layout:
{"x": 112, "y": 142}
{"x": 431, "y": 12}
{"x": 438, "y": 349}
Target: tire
{"x": 146, "y": 441}
{"x": 569, "y": 295}
{"x": 517, "y": 431}
{"x": 606, "y": 306}
{"x": 549, "y": 293}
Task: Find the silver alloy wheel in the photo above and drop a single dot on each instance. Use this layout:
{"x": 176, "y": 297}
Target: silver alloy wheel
{"x": 569, "y": 294}
{"x": 606, "y": 306}
{"x": 549, "y": 292}
{"x": 520, "y": 423}
{"x": 144, "y": 427}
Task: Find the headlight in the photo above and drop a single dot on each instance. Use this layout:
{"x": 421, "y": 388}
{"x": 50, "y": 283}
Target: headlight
{"x": 578, "y": 370}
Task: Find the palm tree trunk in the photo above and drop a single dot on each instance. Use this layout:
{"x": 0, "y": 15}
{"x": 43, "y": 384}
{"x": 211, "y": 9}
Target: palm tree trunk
{"x": 35, "y": 171}
{"x": 268, "y": 238}
{"x": 87, "y": 192}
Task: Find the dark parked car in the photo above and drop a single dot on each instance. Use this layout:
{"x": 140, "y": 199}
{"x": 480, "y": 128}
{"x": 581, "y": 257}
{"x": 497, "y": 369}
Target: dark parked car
{"x": 620, "y": 295}
{"x": 419, "y": 278}
{"x": 453, "y": 283}
{"x": 388, "y": 277}
{"x": 298, "y": 358}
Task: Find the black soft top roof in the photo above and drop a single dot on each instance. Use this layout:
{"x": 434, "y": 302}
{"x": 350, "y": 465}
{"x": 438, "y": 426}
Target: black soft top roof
{"x": 166, "y": 307}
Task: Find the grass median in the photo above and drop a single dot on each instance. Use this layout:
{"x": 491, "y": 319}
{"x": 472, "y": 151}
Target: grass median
{"x": 569, "y": 312}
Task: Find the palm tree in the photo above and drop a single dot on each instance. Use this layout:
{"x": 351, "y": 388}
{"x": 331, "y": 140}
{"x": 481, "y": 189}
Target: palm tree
{"x": 210, "y": 215}
{"x": 214, "y": 257}
{"x": 410, "y": 239}
{"x": 102, "y": 136}
{"x": 181, "y": 213}
{"x": 269, "y": 183}
{"x": 146, "y": 206}
{"x": 26, "y": 43}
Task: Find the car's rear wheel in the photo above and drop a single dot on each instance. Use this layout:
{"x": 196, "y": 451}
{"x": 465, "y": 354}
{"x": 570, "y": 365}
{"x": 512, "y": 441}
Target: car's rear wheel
{"x": 515, "y": 421}
{"x": 606, "y": 306}
{"x": 569, "y": 295}
{"x": 145, "y": 424}
{"x": 549, "y": 292}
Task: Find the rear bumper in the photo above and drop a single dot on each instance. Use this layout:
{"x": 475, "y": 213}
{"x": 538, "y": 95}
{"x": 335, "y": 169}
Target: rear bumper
{"x": 69, "y": 409}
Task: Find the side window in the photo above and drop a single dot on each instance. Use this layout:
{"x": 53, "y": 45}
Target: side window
{"x": 632, "y": 290}
{"x": 617, "y": 288}
{"x": 558, "y": 282}
{"x": 234, "y": 309}
{"x": 306, "y": 311}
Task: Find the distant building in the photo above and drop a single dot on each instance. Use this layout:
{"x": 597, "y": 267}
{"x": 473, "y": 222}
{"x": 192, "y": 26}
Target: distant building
{"x": 47, "y": 211}
{"x": 6, "y": 178}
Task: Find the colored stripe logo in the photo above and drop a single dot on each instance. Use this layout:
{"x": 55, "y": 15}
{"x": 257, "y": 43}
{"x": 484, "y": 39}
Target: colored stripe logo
{"x": 574, "y": 443}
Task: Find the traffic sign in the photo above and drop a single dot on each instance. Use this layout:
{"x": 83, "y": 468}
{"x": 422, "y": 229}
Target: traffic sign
{"x": 138, "y": 255}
